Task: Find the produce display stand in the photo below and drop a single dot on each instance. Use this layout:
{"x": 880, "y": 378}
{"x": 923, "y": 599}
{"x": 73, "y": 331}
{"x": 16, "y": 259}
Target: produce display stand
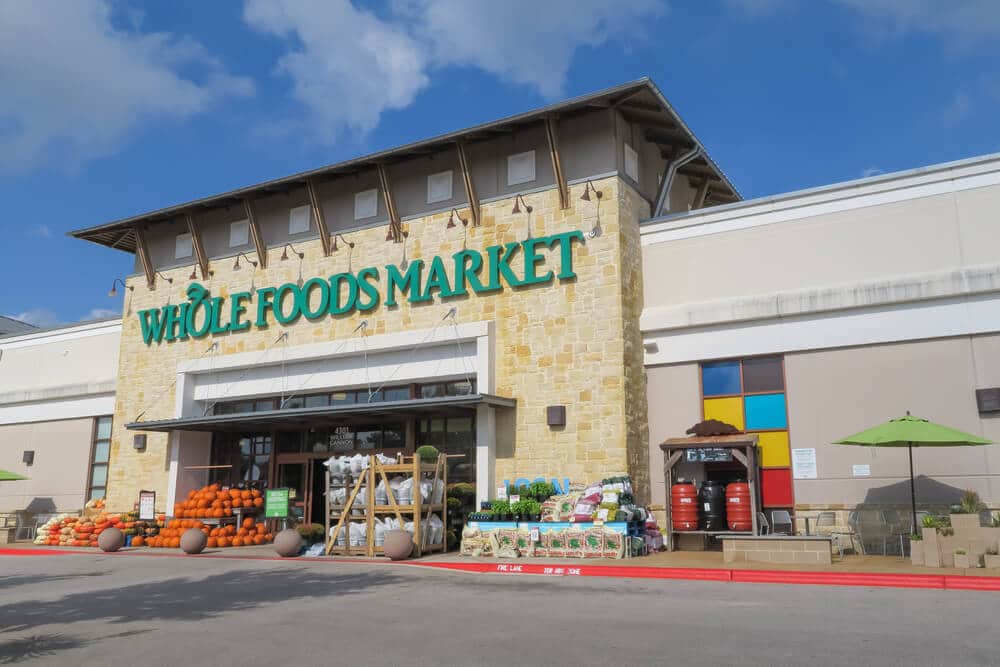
{"x": 743, "y": 447}
{"x": 416, "y": 512}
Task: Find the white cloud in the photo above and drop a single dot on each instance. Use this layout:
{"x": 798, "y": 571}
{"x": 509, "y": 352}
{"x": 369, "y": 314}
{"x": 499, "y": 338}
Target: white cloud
{"x": 758, "y": 8}
{"x": 75, "y": 83}
{"x": 40, "y": 317}
{"x": 961, "y": 23}
{"x": 871, "y": 171}
{"x": 40, "y": 231}
{"x": 101, "y": 314}
{"x": 958, "y": 108}
{"x": 348, "y": 66}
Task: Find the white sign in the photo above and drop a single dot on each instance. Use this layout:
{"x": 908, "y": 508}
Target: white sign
{"x": 515, "y": 499}
{"x": 864, "y": 470}
{"x": 534, "y": 534}
{"x": 501, "y": 492}
{"x": 147, "y": 505}
{"x": 804, "y": 463}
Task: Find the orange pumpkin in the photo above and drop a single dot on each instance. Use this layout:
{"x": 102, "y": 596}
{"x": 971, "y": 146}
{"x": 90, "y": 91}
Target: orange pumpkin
{"x": 222, "y": 542}
{"x": 255, "y": 493}
{"x": 237, "y": 502}
{"x": 212, "y": 543}
{"x": 175, "y": 542}
{"x": 258, "y": 539}
{"x": 138, "y": 541}
{"x": 258, "y": 502}
{"x": 237, "y": 541}
{"x": 234, "y": 494}
{"x": 261, "y": 529}
{"x": 248, "y": 522}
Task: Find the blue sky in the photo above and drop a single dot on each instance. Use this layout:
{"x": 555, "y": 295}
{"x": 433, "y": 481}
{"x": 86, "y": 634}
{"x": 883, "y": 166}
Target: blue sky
{"x": 108, "y": 109}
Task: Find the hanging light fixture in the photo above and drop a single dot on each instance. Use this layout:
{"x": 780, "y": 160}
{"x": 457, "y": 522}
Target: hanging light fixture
{"x": 164, "y": 276}
{"x": 114, "y": 287}
{"x": 284, "y": 252}
{"x": 236, "y": 264}
{"x": 404, "y": 263}
{"x": 519, "y": 199}
{"x": 588, "y": 188}
{"x": 451, "y": 219}
{"x": 350, "y": 244}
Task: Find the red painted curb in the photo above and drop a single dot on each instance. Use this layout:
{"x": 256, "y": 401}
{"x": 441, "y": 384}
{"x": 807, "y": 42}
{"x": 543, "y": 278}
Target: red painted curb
{"x": 866, "y": 579}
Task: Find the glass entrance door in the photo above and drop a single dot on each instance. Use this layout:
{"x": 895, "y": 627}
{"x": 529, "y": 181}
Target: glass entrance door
{"x": 294, "y": 476}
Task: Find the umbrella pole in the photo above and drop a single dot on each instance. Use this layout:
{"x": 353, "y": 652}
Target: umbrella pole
{"x": 913, "y": 493}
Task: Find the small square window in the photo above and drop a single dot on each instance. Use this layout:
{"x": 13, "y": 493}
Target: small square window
{"x": 183, "y": 246}
{"x": 521, "y": 168}
{"x": 439, "y": 186}
{"x": 631, "y": 163}
{"x": 298, "y": 219}
{"x": 763, "y": 374}
{"x": 366, "y": 204}
{"x": 239, "y": 233}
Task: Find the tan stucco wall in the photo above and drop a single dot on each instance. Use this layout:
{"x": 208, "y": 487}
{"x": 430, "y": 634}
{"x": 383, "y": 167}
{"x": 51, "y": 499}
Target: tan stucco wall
{"x": 57, "y": 480}
{"x": 50, "y": 368}
{"x": 834, "y": 393}
{"x": 555, "y": 344}
{"x": 915, "y": 236}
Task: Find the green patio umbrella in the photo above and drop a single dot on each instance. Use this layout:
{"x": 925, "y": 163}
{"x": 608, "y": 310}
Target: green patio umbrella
{"x": 10, "y": 476}
{"x": 910, "y": 432}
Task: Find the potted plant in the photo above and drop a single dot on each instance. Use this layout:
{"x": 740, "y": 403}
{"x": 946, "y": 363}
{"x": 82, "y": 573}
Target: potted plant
{"x": 534, "y": 510}
{"x": 965, "y": 516}
{"x": 992, "y": 558}
{"x": 541, "y": 491}
{"x": 916, "y": 549}
{"x": 427, "y": 454}
{"x": 500, "y": 510}
{"x": 962, "y": 559}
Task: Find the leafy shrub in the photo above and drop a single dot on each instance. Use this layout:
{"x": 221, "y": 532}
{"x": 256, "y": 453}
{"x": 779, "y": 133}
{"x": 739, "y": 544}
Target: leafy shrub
{"x": 971, "y": 504}
{"x": 428, "y": 453}
{"x": 500, "y": 507}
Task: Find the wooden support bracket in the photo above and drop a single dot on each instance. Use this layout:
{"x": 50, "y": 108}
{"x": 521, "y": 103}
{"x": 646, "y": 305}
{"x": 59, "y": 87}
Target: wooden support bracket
{"x": 255, "y": 233}
{"x": 317, "y": 211}
{"x": 470, "y": 187}
{"x": 395, "y": 227}
{"x": 701, "y": 194}
{"x": 142, "y": 249}
{"x": 199, "y": 248}
{"x": 552, "y": 134}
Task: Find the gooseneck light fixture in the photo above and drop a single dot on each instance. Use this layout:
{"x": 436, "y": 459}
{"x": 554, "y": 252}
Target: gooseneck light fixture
{"x": 588, "y": 188}
{"x": 284, "y": 256}
{"x": 518, "y": 200}
{"x": 164, "y": 276}
{"x": 451, "y": 219}
{"x": 350, "y": 246}
{"x": 236, "y": 264}
{"x": 403, "y": 263}
{"x": 114, "y": 287}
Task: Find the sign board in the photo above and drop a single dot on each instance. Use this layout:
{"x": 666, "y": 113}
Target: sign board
{"x": 147, "y": 506}
{"x": 535, "y": 536}
{"x": 342, "y": 439}
{"x": 515, "y": 499}
{"x": 863, "y": 470}
{"x": 501, "y": 493}
{"x": 276, "y": 503}
{"x": 710, "y": 455}
{"x": 804, "y": 463}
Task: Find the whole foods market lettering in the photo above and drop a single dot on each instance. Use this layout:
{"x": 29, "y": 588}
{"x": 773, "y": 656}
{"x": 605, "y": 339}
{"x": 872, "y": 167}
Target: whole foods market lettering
{"x": 343, "y": 293}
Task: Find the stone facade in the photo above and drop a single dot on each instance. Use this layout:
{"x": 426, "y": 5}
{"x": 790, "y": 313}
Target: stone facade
{"x": 575, "y": 343}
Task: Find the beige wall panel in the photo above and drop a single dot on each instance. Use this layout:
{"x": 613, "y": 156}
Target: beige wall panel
{"x": 834, "y": 393}
{"x": 57, "y": 481}
{"x": 674, "y": 406}
{"x": 91, "y": 360}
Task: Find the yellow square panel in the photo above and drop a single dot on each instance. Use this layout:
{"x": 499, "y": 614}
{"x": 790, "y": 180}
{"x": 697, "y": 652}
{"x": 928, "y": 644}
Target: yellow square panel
{"x": 728, "y": 410}
{"x": 774, "y": 449}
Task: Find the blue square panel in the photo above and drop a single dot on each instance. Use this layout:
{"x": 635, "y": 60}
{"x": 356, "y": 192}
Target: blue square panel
{"x": 765, "y": 411}
{"x": 720, "y": 378}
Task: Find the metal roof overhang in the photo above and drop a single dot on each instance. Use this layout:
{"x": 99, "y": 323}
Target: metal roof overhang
{"x": 300, "y": 418}
{"x": 639, "y": 101}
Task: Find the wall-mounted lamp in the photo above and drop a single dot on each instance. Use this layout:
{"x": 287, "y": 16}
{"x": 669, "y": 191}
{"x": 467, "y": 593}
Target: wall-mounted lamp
{"x": 139, "y": 442}
{"x": 161, "y": 274}
{"x": 194, "y": 273}
{"x": 451, "y": 219}
{"x": 588, "y": 188}
{"x": 350, "y": 244}
{"x": 236, "y": 264}
{"x": 519, "y": 199}
{"x": 114, "y": 287}
{"x": 403, "y": 262}
{"x": 28, "y": 457}
{"x": 284, "y": 252}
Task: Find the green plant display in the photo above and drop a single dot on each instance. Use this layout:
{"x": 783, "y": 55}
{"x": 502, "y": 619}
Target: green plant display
{"x": 428, "y": 454}
{"x": 971, "y": 503}
{"x": 463, "y": 491}
{"x": 929, "y": 521}
{"x": 916, "y": 537}
{"x": 959, "y": 552}
{"x": 454, "y": 504}
{"x": 541, "y": 491}
{"x": 500, "y": 507}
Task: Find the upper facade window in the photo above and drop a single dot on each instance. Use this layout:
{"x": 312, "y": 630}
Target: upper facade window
{"x": 439, "y": 186}
{"x": 239, "y": 233}
{"x": 631, "y": 163}
{"x": 183, "y": 246}
{"x": 366, "y": 204}
{"x": 521, "y": 168}
{"x": 298, "y": 219}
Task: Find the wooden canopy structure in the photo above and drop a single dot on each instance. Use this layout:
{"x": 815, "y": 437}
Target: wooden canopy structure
{"x": 742, "y": 446}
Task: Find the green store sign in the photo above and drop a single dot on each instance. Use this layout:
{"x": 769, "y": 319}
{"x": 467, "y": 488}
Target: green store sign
{"x": 344, "y": 293}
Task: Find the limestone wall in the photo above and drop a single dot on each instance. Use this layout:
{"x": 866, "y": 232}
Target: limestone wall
{"x": 574, "y": 342}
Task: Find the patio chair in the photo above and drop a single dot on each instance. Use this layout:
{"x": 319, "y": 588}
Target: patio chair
{"x": 872, "y": 530}
{"x": 762, "y": 525}
{"x": 781, "y": 522}
{"x": 24, "y": 526}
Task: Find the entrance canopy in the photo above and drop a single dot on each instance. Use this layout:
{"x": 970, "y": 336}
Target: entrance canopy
{"x": 326, "y": 415}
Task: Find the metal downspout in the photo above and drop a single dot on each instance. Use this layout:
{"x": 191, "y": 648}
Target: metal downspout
{"x": 668, "y": 178}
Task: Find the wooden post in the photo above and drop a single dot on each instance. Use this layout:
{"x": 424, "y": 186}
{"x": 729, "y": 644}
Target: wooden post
{"x": 370, "y": 507}
{"x": 552, "y": 134}
{"x": 395, "y": 227}
{"x": 199, "y": 248}
{"x": 258, "y": 238}
{"x": 702, "y": 192}
{"x": 317, "y": 210}
{"x": 470, "y": 187}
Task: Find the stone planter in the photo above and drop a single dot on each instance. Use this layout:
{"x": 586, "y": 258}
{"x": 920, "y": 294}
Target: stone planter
{"x": 931, "y": 547}
{"x": 966, "y": 526}
{"x": 916, "y": 552}
{"x": 992, "y": 561}
{"x": 962, "y": 561}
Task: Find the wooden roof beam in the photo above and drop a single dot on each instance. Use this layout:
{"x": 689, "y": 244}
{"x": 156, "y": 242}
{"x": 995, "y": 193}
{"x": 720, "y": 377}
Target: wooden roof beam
{"x": 395, "y": 226}
{"x": 552, "y": 134}
{"x": 142, "y": 249}
{"x": 470, "y": 186}
{"x": 199, "y": 247}
{"x": 255, "y": 233}
{"x": 317, "y": 211}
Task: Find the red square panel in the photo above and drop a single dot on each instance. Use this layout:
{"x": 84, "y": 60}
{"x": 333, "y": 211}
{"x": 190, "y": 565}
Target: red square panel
{"x": 776, "y": 487}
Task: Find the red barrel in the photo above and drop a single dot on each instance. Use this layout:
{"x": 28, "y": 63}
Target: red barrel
{"x": 684, "y": 506}
{"x": 738, "y": 506}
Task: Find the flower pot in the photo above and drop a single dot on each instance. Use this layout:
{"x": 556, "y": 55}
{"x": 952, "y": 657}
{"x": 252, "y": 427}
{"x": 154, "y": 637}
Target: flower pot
{"x": 965, "y": 525}
{"x": 992, "y": 561}
{"x": 916, "y": 552}
{"x": 962, "y": 561}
